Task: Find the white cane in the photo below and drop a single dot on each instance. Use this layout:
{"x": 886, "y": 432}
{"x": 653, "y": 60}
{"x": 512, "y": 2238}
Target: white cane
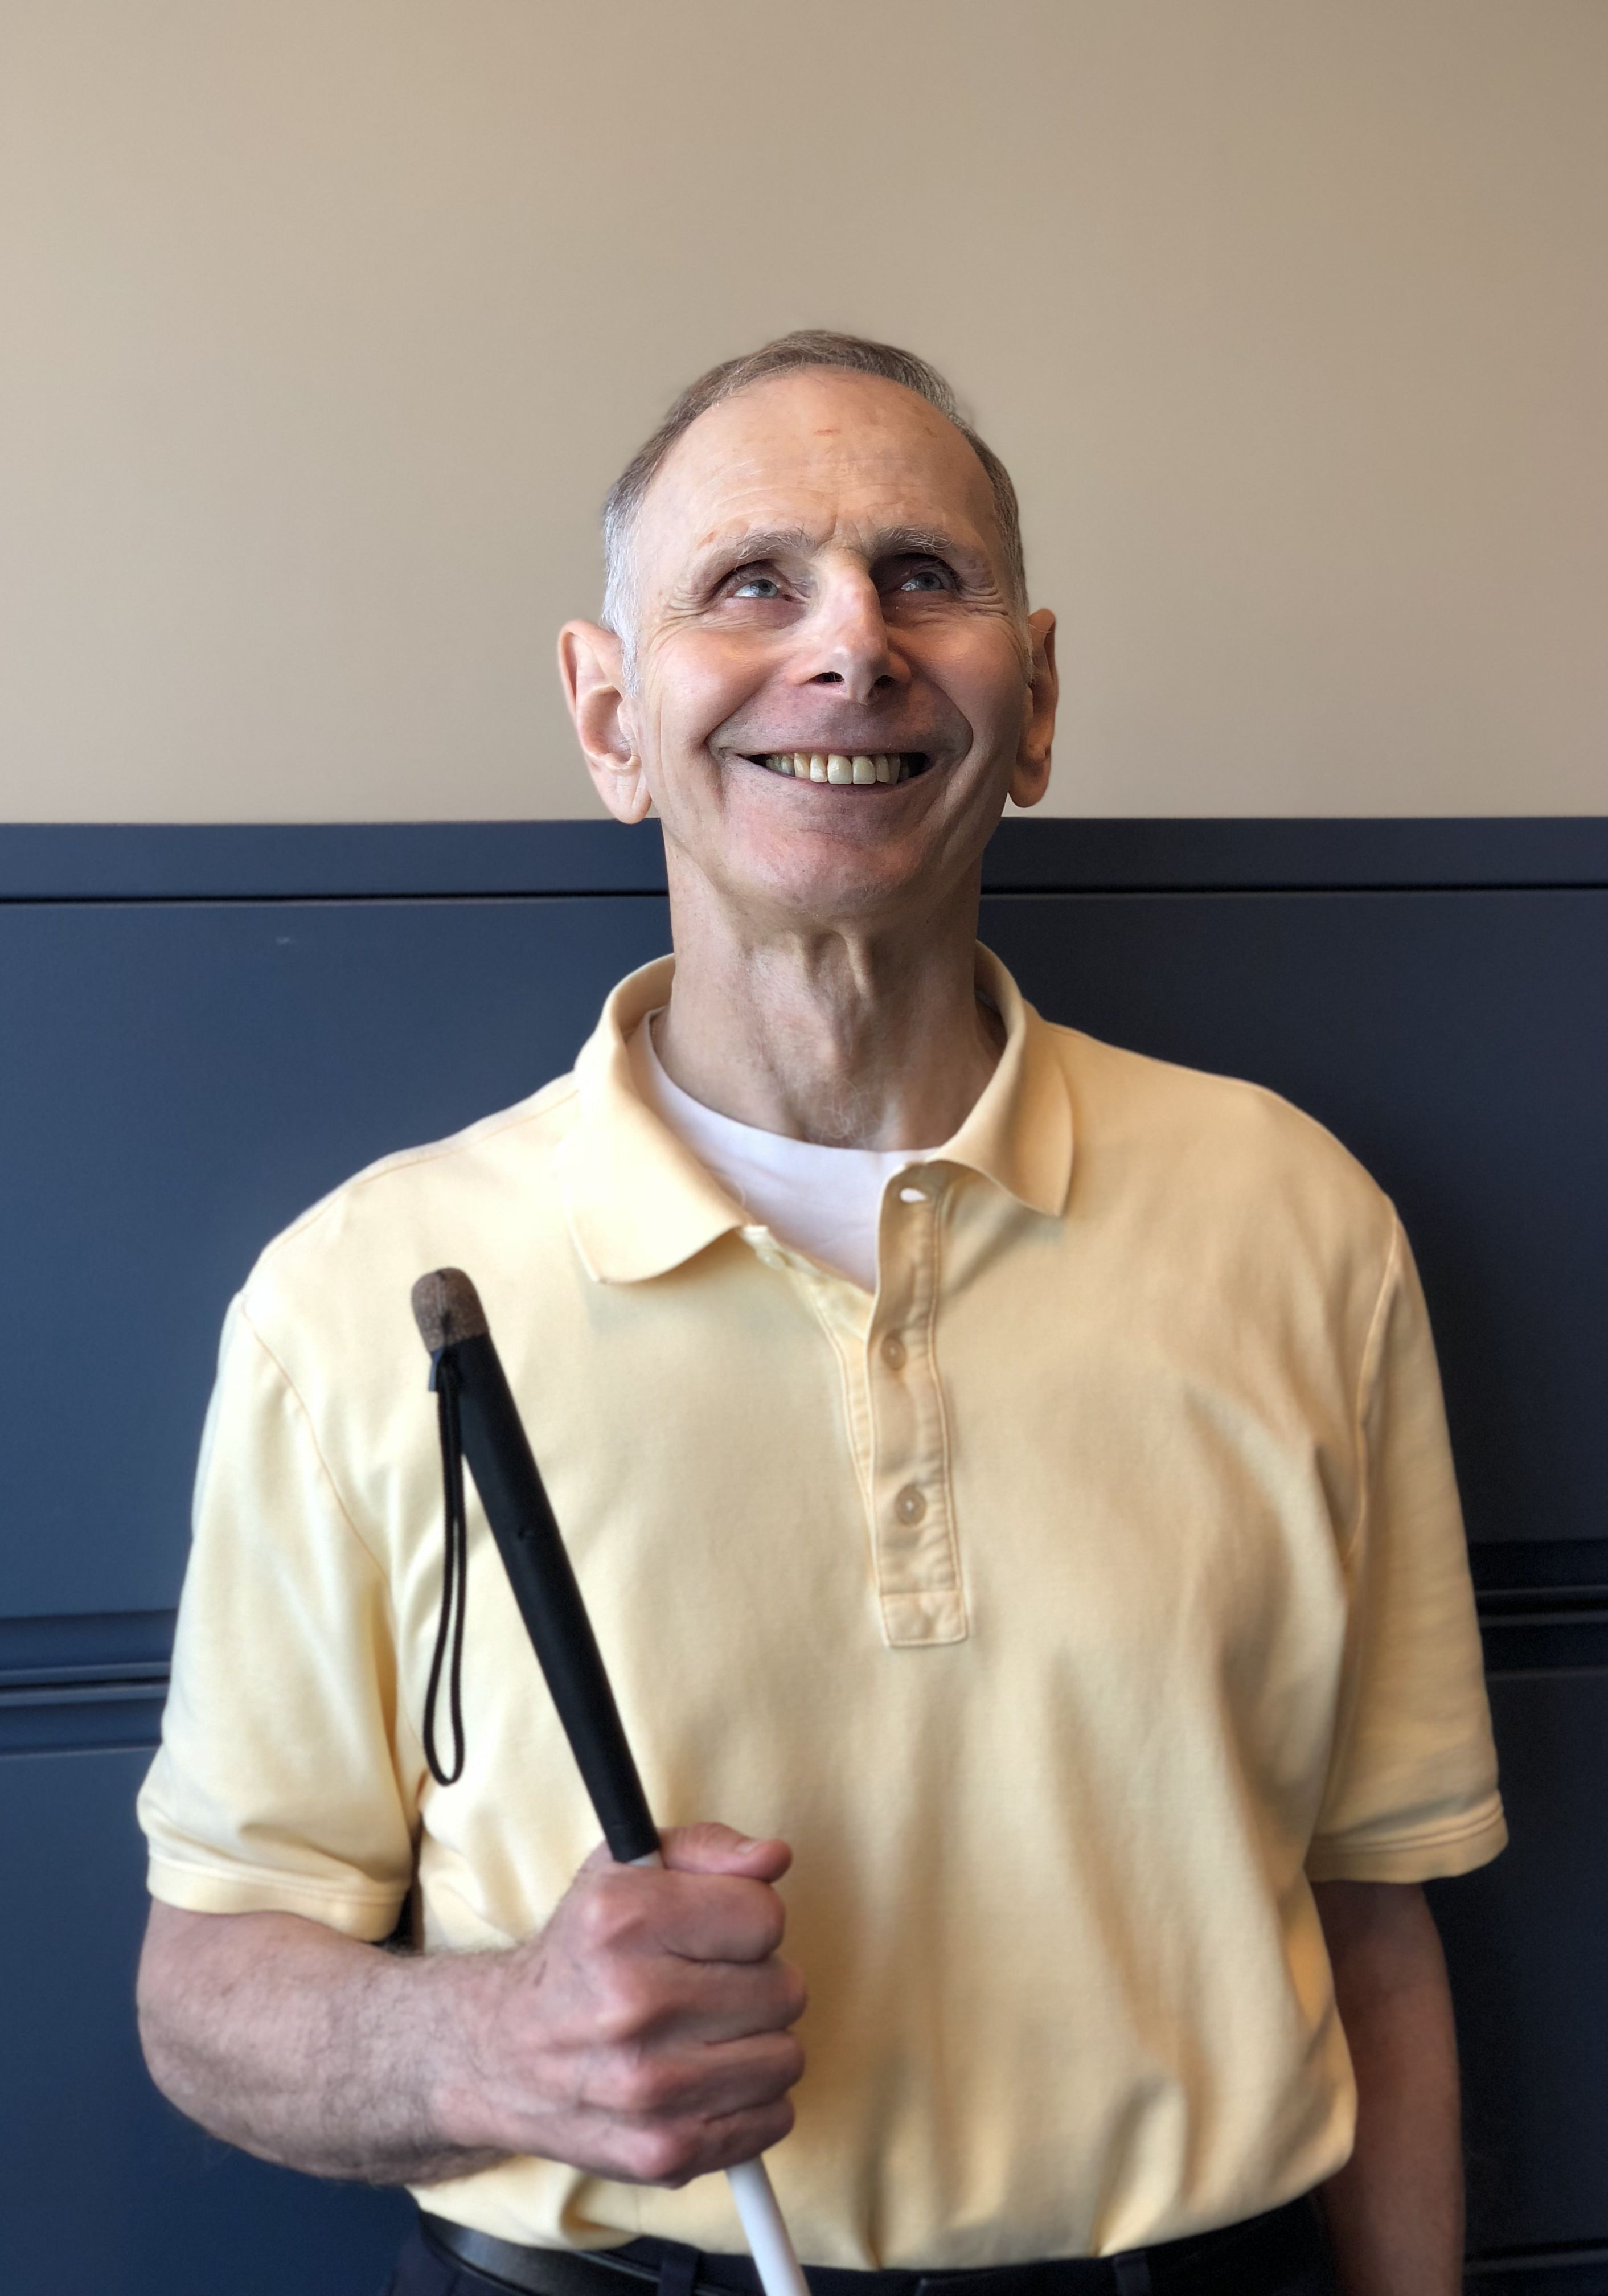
{"x": 477, "y": 1402}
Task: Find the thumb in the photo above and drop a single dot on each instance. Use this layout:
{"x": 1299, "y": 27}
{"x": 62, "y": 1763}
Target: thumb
{"x": 713, "y": 1849}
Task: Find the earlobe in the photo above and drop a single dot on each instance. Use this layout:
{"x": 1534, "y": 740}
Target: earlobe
{"x": 591, "y": 666}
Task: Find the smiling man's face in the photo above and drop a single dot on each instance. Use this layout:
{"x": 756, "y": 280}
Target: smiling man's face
{"x": 820, "y": 576}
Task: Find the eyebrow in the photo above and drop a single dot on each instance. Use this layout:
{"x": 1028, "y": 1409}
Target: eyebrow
{"x": 759, "y": 543}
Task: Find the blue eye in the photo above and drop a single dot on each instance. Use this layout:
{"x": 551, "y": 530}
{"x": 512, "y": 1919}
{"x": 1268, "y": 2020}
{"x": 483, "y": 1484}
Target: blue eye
{"x": 925, "y": 578}
{"x": 757, "y": 586}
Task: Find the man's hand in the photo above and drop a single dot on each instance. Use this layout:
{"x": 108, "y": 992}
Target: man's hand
{"x": 1395, "y": 2211}
{"x": 644, "y": 2035}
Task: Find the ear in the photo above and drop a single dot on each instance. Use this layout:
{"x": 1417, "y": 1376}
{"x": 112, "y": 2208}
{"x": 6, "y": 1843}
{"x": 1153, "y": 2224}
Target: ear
{"x": 590, "y": 664}
{"x": 1030, "y": 775}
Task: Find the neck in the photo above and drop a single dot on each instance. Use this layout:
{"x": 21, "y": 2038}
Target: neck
{"x": 853, "y": 1037}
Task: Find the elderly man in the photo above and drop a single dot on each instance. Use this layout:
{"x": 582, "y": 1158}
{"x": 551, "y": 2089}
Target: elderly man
{"x": 1010, "y": 1481}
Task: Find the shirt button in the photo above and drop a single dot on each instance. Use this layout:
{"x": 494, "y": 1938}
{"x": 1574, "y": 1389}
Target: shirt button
{"x": 893, "y": 1352}
{"x": 914, "y": 1195}
{"x": 910, "y": 1505}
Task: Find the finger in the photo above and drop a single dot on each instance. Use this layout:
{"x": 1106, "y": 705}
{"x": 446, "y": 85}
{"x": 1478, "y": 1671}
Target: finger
{"x": 748, "y": 2076}
{"x": 712, "y": 1849}
{"x": 649, "y": 1917}
{"x": 666, "y": 2089}
{"x": 714, "y": 2002}
{"x": 744, "y": 2135}
{"x": 673, "y": 2153}
{"x": 717, "y": 1917}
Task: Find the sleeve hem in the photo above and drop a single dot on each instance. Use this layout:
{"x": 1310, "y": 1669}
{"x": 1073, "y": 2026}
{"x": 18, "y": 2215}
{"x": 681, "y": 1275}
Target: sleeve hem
{"x": 1432, "y": 1855}
{"x": 367, "y": 1915}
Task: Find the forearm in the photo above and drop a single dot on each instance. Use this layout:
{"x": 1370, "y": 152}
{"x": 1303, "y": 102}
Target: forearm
{"x": 308, "y": 2048}
{"x": 1395, "y": 2211}
{"x": 643, "y": 2033}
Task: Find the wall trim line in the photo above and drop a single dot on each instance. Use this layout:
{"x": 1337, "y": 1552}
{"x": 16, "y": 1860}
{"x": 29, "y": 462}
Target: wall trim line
{"x": 445, "y": 860}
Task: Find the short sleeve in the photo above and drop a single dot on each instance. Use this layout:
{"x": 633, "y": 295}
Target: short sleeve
{"x": 1411, "y": 1792}
{"x": 278, "y": 1785}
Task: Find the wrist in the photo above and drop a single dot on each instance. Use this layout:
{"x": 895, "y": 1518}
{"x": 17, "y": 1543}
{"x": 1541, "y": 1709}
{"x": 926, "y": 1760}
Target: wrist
{"x": 460, "y": 2022}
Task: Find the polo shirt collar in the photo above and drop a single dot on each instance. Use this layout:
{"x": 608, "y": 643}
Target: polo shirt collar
{"x": 1019, "y": 1132}
{"x": 639, "y": 1203}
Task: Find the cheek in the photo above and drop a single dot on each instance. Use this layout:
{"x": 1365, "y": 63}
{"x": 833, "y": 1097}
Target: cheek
{"x": 695, "y": 684}
{"x": 983, "y": 675}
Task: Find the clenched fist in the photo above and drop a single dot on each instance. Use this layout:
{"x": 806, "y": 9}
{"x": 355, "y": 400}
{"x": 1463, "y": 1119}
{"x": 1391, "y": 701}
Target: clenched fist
{"x": 644, "y": 2035}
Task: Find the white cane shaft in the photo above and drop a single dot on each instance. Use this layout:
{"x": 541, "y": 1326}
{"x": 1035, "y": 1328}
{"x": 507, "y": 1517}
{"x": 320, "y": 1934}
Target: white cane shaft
{"x": 768, "y": 2240}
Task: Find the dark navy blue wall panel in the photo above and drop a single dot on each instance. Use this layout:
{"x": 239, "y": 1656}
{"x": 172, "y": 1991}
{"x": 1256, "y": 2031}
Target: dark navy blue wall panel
{"x": 180, "y": 1075}
{"x": 105, "y": 2190}
{"x": 183, "y": 1080}
{"x": 1524, "y": 1940}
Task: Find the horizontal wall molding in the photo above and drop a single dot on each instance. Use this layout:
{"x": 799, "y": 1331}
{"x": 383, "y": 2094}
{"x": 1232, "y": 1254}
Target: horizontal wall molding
{"x": 86, "y": 1718}
{"x": 1581, "y": 2271}
{"x": 489, "y": 859}
{"x": 85, "y": 1684}
{"x": 327, "y": 860}
{"x": 1317, "y": 856}
{"x": 1573, "y": 1640}
{"x": 85, "y": 1646}
{"x": 1543, "y": 1605}
{"x": 1513, "y": 1570}
{"x": 98, "y": 1680}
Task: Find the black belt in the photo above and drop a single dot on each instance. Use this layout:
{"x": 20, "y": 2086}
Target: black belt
{"x": 1204, "y": 2264}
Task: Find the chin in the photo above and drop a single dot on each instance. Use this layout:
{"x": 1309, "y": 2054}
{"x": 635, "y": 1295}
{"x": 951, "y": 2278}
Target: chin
{"x": 825, "y": 879}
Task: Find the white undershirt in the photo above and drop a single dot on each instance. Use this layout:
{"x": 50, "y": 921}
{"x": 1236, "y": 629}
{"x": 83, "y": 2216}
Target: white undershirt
{"x": 825, "y": 1202}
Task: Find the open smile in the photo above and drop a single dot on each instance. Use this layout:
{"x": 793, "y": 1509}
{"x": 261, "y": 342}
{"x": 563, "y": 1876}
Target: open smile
{"x": 868, "y": 769}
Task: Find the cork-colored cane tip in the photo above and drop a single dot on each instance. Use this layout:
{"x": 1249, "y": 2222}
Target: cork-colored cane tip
{"x": 447, "y": 1309}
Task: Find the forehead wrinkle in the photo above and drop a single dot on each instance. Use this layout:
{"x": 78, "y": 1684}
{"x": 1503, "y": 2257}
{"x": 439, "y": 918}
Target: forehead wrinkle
{"x": 737, "y": 541}
{"x": 741, "y": 475}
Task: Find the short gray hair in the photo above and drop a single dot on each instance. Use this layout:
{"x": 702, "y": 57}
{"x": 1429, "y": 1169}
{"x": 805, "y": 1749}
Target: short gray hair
{"x": 809, "y": 346}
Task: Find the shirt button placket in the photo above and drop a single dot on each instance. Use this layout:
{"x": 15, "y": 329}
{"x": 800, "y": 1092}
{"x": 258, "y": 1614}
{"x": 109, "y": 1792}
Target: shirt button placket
{"x": 917, "y": 1578}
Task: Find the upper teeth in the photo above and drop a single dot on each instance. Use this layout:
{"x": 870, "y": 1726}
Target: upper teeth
{"x": 833, "y": 765}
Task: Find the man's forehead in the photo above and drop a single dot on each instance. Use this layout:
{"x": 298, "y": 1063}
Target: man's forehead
{"x": 816, "y": 457}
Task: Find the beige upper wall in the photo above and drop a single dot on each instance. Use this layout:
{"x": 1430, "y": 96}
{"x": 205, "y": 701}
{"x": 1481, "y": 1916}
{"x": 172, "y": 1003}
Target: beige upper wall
{"x": 326, "y": 323}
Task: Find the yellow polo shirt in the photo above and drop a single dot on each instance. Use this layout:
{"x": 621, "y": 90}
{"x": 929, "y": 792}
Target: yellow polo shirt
{"x": 1069, "y": 1606}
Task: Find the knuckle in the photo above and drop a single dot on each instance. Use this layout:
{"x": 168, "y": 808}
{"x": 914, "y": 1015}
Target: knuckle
{"x": 777, "y": 2067}
{"x": 659, "y": 2156}
{"x": 591, "y": 1914}
{"x": 610, "y": 1915}
{"x": 623, "y": 2012}
{"x": 749, "y": 2133}
{"x": 773, "y": 2122}
{"x": 650, "y": 2088}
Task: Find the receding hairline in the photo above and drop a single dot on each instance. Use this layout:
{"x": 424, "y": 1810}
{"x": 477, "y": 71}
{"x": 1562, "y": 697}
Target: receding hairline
{"x": 677, "y": 445}
{"x": 807, "y": 350}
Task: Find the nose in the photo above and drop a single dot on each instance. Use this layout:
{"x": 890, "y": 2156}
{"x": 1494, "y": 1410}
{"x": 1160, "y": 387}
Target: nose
{"x": 845, "y": 640}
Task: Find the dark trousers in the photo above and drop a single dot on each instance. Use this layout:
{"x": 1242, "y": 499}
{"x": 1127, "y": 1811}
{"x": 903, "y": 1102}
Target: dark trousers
{"x": 422, "y": 2270}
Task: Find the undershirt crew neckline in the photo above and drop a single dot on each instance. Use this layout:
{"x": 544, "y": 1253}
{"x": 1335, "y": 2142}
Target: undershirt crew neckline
{"x": 824, "y": 1202}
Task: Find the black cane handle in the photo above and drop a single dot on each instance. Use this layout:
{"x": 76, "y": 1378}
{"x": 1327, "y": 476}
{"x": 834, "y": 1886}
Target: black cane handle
{"x": 452, "y": 1324}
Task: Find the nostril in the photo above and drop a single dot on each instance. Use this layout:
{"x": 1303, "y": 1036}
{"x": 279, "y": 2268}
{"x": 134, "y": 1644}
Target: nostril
{"x": 827, "y": 677}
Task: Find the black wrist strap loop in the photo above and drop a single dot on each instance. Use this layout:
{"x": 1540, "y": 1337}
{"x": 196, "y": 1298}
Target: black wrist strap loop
{"x": 455, "y": 1579}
